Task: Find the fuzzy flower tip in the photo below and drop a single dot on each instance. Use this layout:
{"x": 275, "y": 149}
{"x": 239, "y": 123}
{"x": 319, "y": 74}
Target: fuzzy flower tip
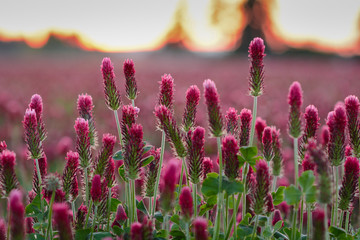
{"x": 336, "y": 122}
{"x": 212, "y": 101}
{"x": 36, "y": 103}
{"x": 85, "y": 108}
{"x": 192, "y": 100}
{"x": 230, "y": 149}
{"x": 311, "y": 126}
{"x": 276, "y": 149}
{"x": 167, "y": 123}
{"x": 352, "y": 106}
{"x": 349, "y": 183}
{"x": 8, "y": 180}
{"x": 325, "y": 136}
{"x": 17, "y": 215}
{"x": 32, "y": 136}
{"x": 232, "y": 118}
{"x": 133, "y": 151}
{"x": 142, "y": 231}
{"x": 200, "y": 228}
{"x": 152, "y": 172}
{"x": 3, "y": 146}
{"x": 166, "y": 95}
{"x": 348, "y": 151}
{"x": 131, "y": 86}
{"x": 195, "y": 157}
{"x": 69, "y": 180}
{"x": 80, "y": 217}
{"x": 295, "y": 102}
{"x": 62, "y": 221}
{"x": 277, "y": 217}
{"x": 101, "y": 162}
{"x": 245, "y": 126}
{"x": 186, "y": 203}
{"x": 256, "y": 56}
{"x": 260, "y": 125}
{"x": 169, "y": 179}
{"x": 318, "y": 219}
{"x": 262, "y": 187}
{"x": 112, "y": 95}
{"x": 120, "y": 217}
{"x": 83, "y": 141}
{"x": 267, "y": 144}
{"x": 96, "y": 189}
{"x": 207, "y": 166}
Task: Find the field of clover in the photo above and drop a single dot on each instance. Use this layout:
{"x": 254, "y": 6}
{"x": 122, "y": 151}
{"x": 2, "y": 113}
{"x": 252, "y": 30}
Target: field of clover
{"x": 122, "y": 187}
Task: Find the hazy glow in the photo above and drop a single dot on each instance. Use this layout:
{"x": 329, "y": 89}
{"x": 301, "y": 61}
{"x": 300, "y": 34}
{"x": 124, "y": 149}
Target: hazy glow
{"x": 137, "y": 25}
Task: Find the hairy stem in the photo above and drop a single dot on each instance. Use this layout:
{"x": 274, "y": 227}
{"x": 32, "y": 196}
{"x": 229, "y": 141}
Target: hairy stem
{"x": 88, "y": 214}
{"x": 93, "y": 224}
{"x": 118, "y": 127}
{"x": 109, "y": 211}
{"x": 159, "y": 171}
{"x": 86, "y": 187}
{"x": 336, "y": 195}
{"x": 255, "y": 227}
{"x": 326, "y": 222}
{"x": 296, "y": 163}
{"x": 49, "y": 229}
{"x": 308, "y": 222}
{"x": 252, "y": 131}
{"x": 40, "y": 183}
{"x": 301, "y": 216}
{"x": 220, "y": 195}
{"x": 195, "y": 199}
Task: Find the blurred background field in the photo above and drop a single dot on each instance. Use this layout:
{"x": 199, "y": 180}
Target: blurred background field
{"x": 61, "y": 64}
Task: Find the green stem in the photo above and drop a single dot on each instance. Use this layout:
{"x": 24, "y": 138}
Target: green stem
{"x": 293, "y": 230}
{"x": 195, "y": 199}
{"x": 255, "y": 227}
{"x": 40, "y": 183}
{"x": 150, "y": 205}
{"x": 86, "y": 187}
{"x": 245, "y": 190}
{"x": 49, "y": 229}
{"x": 180, "y": 180}
{"x": 301, "y": 216}
{"x": 93, "y": 224}
{"x": 159, "y": 171}
{"x": 336, "y": 195}
{"x": 326, "y": 223}
{"x": 308, "y": 228}
{"x": 187, "y": 233}
{"x": 341, "y": 219}
{"x": 73, "y": 209}
{"x": 133, "y": 102}
{"x": 186, "y": 172}
{"x": 296, "y": 163}
{"x": 274, "y": 183}
{"x": 347, "y": 219}
{"x": 229, "y": 228}
{"x": 9, "y": 221}
{"x": 109, "y": 211}
{"x": 88, "y": 213}
{"x": 220, "y": 195}
{"x": 226, "y": 211}
{"x": 118, "y": 127}
{"x": 133, "y": 201}
{"x": 235, "y": 210}
{"x": 253, "y": 121}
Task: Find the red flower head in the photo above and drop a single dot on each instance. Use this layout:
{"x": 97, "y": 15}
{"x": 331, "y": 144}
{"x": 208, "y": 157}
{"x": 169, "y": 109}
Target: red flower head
{"x": 83, "y": 142}
{"x": 8, "y": 180}
{"x": 112, "y": 95}
{"x": 276, "y": 149}
{"x": 231, "y": 117}
{"x": 136, "y": 231}
{"x": 318, "y": 218}
{"x": 256, "y": 56}
{"x": 311, "y": 126}
{"x": 166, "y": 95}
{"x": 349, "y": 183}
{"x": 131, "y": 86}
{"x": 3, "y": 146}
{"x": 152, "y": 172}
{"x": 2, "y": 229}
{"x": 169, "y": 180}
{"x": 245, "y": 126}
{"x": 195, "y": 157}
{"x": 212, "y": 101}
{"x": 207, "y": 166}
{"x": 267, "y": 144}
{"x": 308, "y": 164}
{"x": 129, "y": 116}
{"x": 348, "y": 151}
{"x": 80, "y": 217}
{"x": 295, "y": 102}
{"x": 85, "y": 108}
{"x": 96, "y": 189}
{"x": 29, "y": 222}
{"x": 192, "y": 100}
{"x": 352, "y": 106}
{"x": 102, "y": 161}
{"x": 109, "y": 173}
{"x": 325, "y": 136}
{"x": 36, "y": 103}
{"x": 120, "y": 217}
{"x": 200, "y": 228}
{"x": 142, "y": 231}
{"x": 32, "y": 136}
{"x": 230, "y": 148}
{"x": 186, "y": 203}
{"x": 262, "y": 187}
{"x": 17, "y": 215}
{"x": 277, "y": 217}
{"x": 336, "y": 122}
{"x": 260, "y": 125}
{"x": 69, "y": 179}
{"x": 62, "y": 221}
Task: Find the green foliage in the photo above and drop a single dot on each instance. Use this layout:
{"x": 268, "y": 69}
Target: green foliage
{"x": 278, "y": 196}
{"x": 248, "y": 155}
{"x": 292, "y": 195}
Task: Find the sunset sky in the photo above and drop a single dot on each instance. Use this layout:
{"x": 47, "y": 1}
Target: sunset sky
{"x": 120, "y": 25}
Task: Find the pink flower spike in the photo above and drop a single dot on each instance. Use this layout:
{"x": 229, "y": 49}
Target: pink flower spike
{"x": 262, "y": 187}
{"x": 3, "y": 146}
{"x": 311, "y": 126}
{"x": 195, "y": 156}
{"x": 231, "y": 118}
{"x": 8, "y": 180}
{"x": 245, "y": 126}
{"x": 62, "y": 221}
{"x": 85, "y": 105}
{"x": 212, "y": 101}
{"x": 260, "y": 125}
{"x": 136, "y": 231}
{"x": 32, "y": 136}
{"x": 101, "y": 162}
{"x": 207, "y": 166}
{"x": 69, "y": 178}
{"x": 200, "y": 228}
{"x": 96, "y": 189}
{"x": 186, "y": 203}
{"x": 169, "y": 180}
{"x": 131, "y": 85}
{"x": 80, "y": 217}
{"x": 325, "y": 136}
{"x": 348, "y": 151}
{"x": 318, "y": 218}
{"x": 267, "y": 144}
{"x": 2, "y": 229}
{"x": 29, "y": 222}
{"x": 230, "y": 149}
{"x": 277, "y": 217}
{"x": 192, "y": 100}
{"x": 83, "y": 141}
{"x": 307, "y": 164}
{"x": 295, "y": 102}
{"x": 349, "y": 183}
{"x": 36, "y": 103}
{"x": 166, "y": 95}
{"x": 256, "y": 56}
{"x": 17, "y": 215}
{"x": 120, "y": 217}
{"x": 352, "y": 106}
{"x": 43, "y": 172}
{"x": 112, "y": 95}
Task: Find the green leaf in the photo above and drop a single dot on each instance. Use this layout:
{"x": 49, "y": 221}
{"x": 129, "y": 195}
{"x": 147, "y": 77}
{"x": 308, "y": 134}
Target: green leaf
{"x": 210, "y": 186}
{"x": 101, "y": 235}
{"x": 278, "y": 196}
{"x": 249, "y": 155}
{"x": 117, "y": 230}
{"x": 267, "y": 233}
{"x": 175, "y": 219}
{"x": 243, "y": 231}
{"x": 146, "y": 161}
{"x": 122, "y": 173}
{"x": 337, "y": 232}
{"x": 278, "y": 225}
{"x": 35, "y": 236}
{"x": 210, "y": 203}
{"x": 232, "y": 187}
{"x": 292, "y": 195}
{"x": 246, "y": 220}
{"x": 141, "y": 206}
{"x": 310, "y": 195}
{"x": 118, "y": 155}
{"x": 306, "y": 180}
{"x": 177, "y": 233}
{"x": 114, "y": 204}
{"x": 82, "y": 234}
{"x": 147, "y": 148}
{"x": 158, "y": 216}
{"x": 161, "y": 234}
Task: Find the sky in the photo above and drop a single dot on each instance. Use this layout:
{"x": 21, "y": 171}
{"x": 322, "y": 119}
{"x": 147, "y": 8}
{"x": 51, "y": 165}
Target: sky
{"x": 141, "y": 25}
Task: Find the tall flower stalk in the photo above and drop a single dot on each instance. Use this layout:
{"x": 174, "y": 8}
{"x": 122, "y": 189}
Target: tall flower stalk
{"x": 311, "y": 126}
{"x": 130, "y": 83}
{"x": 352, "y": 106}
